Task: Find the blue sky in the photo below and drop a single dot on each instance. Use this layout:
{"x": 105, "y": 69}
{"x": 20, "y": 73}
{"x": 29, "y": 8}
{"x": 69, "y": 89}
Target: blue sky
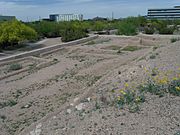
{"x": 35, "y": 9}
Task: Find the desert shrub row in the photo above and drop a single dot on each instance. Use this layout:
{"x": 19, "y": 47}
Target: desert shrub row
{"x": 15, "y": 32}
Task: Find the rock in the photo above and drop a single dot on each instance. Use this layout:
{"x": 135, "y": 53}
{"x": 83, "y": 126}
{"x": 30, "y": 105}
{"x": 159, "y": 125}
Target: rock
{"x": 76, "y": 99}
{"x": 80, "y": 107}
{"x": 36, "y": 131}
{"x": 71, "y": 104}
{"x": 26, "y": 106}
{"x": 141, "y": 66}
{"x": 89, "y": 99}
{"x": 69, "y": 111}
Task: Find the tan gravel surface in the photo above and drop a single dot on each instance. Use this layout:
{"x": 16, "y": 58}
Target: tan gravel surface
{"x": 43, "y": 95}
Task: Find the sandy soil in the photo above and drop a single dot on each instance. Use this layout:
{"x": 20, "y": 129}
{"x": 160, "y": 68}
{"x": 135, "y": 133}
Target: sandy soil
{"x": 72, "y": 95}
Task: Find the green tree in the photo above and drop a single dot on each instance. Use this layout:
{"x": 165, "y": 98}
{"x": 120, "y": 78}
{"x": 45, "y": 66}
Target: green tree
{"x": 127, "y": 28}
{"x": 14, "y": 32}
{"x": 46, "y": 29}
{"x": 72, "y": 32}
{"x": 99, "y": 26}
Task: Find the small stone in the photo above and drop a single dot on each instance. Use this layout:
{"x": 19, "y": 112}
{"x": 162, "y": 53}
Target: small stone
{"x": 64, "y": 129}
{"x": 71, "y": 104}
{"x": 80, "y": 106}
{"x": 54, "y": 117}
{"x": 26, "y": 106}
{"x": 37, "y": 131}
{"x": 89, "y": 99}
{"x": 39, "y": 126}
{"x": 76, "y": 99}
{"x": 69, "y": 111}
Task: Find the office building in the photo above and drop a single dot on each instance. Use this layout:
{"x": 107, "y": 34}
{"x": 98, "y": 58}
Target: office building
{"x": 66, "y": 17}
{"x": 165, "y": 13}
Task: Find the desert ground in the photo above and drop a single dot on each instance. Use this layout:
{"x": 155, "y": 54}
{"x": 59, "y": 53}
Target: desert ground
{"x": 72, "y": 90}
{"x": 31, "y": 46}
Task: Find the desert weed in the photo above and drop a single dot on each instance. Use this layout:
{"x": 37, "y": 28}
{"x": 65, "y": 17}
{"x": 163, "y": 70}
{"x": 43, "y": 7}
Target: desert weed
{"x": 159, "y": 82}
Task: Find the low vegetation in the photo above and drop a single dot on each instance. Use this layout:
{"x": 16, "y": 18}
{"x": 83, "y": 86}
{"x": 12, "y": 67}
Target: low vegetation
{"x": 10, "y": 103}
{"x": 13, "y": 33}
{"x": 113, "y": 47}
{"x": 127, "y": 28}
{"x": 71, "y": 33}
{"x": 131, "y": 48}
{"x": 152, "y": 56}
{"x": 15, "y": 66}
{"x": 174, "y": 40}
{"x": 127, "y": 96}
{"x": 158, "y": 83}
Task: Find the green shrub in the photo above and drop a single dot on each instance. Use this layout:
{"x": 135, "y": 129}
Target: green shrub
{"x": 127, "y": 28}
{"x": 14, "y": 32}
{"x": 3, "y": 117}
{"x": 130, "y": 98}
{"x": 71, "y": 33}
{"x": 152, "y": 56}
{"x": 131, "y": 48}
{"x": 155, "y": 48}
{"x": 47, "y": 29}
{"x": 174, "y": 40}
{"x": 8, "y": 103}
{"x": 114, "y": 47}
{"x": 166, "y": 30}
{"x": 174, "y": 87}
{"x": 99, "y": 26}
{"x": 160, "y": 89}
{"x": 15, "y": 66}
{"x": 177, "y": 133}
{"x": 149, "y": 30}
{"x": 119, "y": 51}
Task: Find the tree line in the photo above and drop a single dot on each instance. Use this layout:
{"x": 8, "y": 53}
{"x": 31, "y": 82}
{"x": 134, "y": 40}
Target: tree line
{"x": 14, "y": 32}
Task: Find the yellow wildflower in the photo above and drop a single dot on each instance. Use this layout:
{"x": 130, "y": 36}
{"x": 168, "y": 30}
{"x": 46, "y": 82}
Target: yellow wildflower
{"x": 133, "y": 90}
{"x": 145, "y": 69}
{"x": 126, "y": 85}
{"x": 163, "y": 81}
{"x": 118, "y": 98}
{"x": 175, "y": 78}
{"x": 178, "y": 88}
{"x": 122, "y": 92}
{"x": 179, "y": 68}
{"x": 156, "y": 79}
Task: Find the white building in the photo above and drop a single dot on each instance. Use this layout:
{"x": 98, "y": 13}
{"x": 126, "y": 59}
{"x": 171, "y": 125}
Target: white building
{"x": 164, "y": 13}
{"x": 66, "y": 17}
